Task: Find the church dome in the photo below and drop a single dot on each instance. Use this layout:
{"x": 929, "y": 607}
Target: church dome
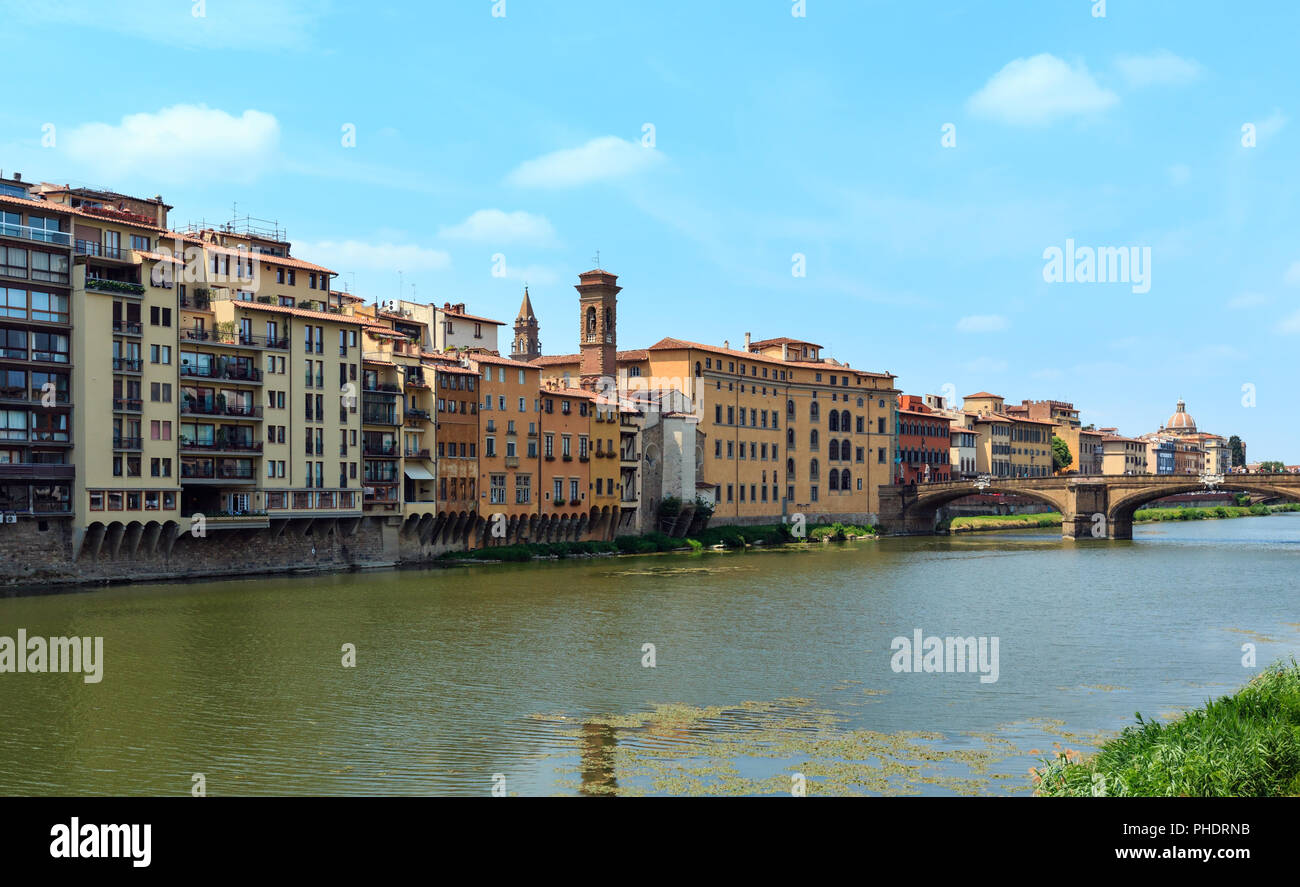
{"x": 1181, "y": 420}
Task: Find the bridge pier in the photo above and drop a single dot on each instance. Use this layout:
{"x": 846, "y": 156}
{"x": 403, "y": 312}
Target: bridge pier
{"x": 1120, "y": 528}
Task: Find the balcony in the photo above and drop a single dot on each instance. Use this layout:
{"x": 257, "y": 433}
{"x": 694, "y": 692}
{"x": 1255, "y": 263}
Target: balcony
{"x": 128, "y": 405}
{"x": 98, "y": 250}
{"x": 208, "y": 472}
{"x": 127, "y": 443}
{"x": 385, "y": 451}
{"x": 417, "y": 417}
{"x": 221, "y": 446}
{"x": 244, "y": 375}
{"x": 196, "y": 301}
{"x": 382, "y": 387}
{"x": 128, "y": 328}
{"x": 39, "y": 235}
{"x": 197, "y": 407}
{"x": 630, "y": 456}
{"x": 119, "y": 287}
{"x": 235, "y": 339}
{"x": 36, "y": 471}
{"x": 128, "y": 365}
{"x": 512, "y": 461}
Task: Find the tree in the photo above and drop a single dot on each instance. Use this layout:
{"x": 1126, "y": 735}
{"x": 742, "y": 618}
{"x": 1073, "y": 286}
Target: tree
{"x": 1061, "y": 457}
{"x": 1238, "y": 451}
{"x": 1271, "y": 467}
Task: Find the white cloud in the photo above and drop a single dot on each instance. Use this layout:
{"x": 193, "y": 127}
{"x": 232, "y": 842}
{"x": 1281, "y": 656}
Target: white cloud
{"x": 177, "y": 144}
{"x": 1039, "y": 90}
{"x": 1160, "y": 68}
{"x": 1248, "y": 300}
{"x": 1272, "y": 124}
{"x": 981, "y": 323}
{"x": 356, "y": 255}
{"x": 498, "y": 227}
{"x": 602, "y": 159}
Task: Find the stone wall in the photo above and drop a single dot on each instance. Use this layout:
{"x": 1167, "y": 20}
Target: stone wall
{"x": 32, "y": 558}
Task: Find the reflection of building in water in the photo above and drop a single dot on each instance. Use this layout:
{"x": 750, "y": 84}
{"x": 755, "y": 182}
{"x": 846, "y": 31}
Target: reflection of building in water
{"x": 598, "y": 746}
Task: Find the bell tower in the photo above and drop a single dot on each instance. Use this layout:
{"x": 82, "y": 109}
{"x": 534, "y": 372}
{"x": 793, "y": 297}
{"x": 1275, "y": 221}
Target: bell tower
{"x": 526, "y": 345}
{"x": 597, "y": 315}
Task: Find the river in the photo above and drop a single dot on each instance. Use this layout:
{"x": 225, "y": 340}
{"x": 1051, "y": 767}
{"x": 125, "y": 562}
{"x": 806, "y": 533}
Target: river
{"x": 772, "y": 669}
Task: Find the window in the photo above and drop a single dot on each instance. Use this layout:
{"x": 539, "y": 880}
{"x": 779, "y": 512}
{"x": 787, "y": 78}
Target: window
{"x": 49, "y": 267}
{"x": 498, "y": 489}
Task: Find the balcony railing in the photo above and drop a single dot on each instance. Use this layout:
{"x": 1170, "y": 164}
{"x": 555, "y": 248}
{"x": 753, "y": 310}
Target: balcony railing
{"x": 375, "y": 449}
{"x": 232, "y": 446}
{"x": 417, "y": 416}
{"x": 128, "y": 404}
{"x": 214, "y": 408}
{"x": 114, "y": 286}
{"x": 196, "y": 301}
{"x": 229, "y": 373}
{"x": 207, "y": 471}
{"x": 40, "y": 235}
{"x": 128, "y": 365}
{"x": 128, "y": 327}
{"x": 385, "y": 387}
{"x": 99, "y": 250}
{"x": 37, "y": 471}
{"x": 128, "y": 443}
{"x": 238, "y": 339}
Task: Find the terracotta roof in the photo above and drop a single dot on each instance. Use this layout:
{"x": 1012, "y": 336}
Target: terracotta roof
{"x": 299, "y": 312}
{"x": 671, "y": 344}
{"x": 565, "y": 359}
{"x": 287, "y": 261}
{"x": 984, "y": 394}
{"x": 929, "y": 415}
{"x": 781, "y": 340}
{"x": 460, "y": 316}
{"x": 498, "y": 360}
{"x": 159, "y": 257}
{"x": 376, "y": 360}
{"x": 452, "y": 368}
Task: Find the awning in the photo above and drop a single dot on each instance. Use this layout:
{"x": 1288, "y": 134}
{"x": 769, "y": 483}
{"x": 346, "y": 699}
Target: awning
{"x": 415, "y": 472}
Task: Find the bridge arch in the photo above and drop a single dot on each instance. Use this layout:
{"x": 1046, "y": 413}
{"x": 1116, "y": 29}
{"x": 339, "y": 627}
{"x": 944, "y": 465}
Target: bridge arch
{"x": 1124, "y": 503}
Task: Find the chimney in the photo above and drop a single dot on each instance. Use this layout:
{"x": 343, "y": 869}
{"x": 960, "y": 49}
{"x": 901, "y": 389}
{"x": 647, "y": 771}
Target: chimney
{"x": 785, "y": 350}
{"x": 726, "y": 344}
{"x": 746, "y": 341}
{"x": 18, "y": 177}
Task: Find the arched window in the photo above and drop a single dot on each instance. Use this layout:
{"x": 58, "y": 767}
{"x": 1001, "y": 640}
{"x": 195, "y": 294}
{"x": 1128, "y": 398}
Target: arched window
{"x": 833, "y": 421}
{"x": 789, "y": 437}
{"x": 813, "y": 439}
{"x": 833, "y": 452}
{"x": 844, "y": 450}
{"x": 699, "y": 370}
{"x": 846, "y": 421}
{"x": 835, "y": 479}
{"x": 591, "y": 324}
{"x": 789, "y": 468}
{"x": 814, "y": 470}
{"x": 789, "y": 407}
{"x": 814, "y": 411}
{"x": 846, "y": 482}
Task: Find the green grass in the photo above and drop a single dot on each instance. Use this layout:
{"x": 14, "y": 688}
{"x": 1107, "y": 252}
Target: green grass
{"x": 1243, "y": 745}
{"x": 1004, "y": 521}
{"x": 1217, "y": 512}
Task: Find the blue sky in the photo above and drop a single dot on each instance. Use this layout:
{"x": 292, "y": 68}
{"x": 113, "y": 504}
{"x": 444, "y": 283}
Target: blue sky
{"x": 774, "y": 135}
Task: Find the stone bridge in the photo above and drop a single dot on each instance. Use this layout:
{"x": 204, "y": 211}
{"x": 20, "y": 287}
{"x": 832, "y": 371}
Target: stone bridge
{"x": 1091, "y": 506}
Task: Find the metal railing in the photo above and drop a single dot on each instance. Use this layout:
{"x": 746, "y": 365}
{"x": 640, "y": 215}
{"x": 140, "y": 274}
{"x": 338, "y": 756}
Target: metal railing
{"x": 40, "y": 235}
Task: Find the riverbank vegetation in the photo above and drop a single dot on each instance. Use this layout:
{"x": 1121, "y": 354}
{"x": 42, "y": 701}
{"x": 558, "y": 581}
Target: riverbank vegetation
{"x": 985, "y": 522}
{"x": 730, "y": 537}
{"x": 1243, "y": 745}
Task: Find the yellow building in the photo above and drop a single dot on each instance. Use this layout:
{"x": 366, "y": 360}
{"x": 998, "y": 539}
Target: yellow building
{"x": 782, "y": 430}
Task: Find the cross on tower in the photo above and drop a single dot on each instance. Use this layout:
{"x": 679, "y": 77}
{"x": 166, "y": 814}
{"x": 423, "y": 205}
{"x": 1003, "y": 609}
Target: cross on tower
{"x": 597, "y": 260}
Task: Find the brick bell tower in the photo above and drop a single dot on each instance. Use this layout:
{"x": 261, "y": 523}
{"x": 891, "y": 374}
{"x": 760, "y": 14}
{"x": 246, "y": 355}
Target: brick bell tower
{"x": 526, "y": 345}
{"x": 597, "y": 314}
